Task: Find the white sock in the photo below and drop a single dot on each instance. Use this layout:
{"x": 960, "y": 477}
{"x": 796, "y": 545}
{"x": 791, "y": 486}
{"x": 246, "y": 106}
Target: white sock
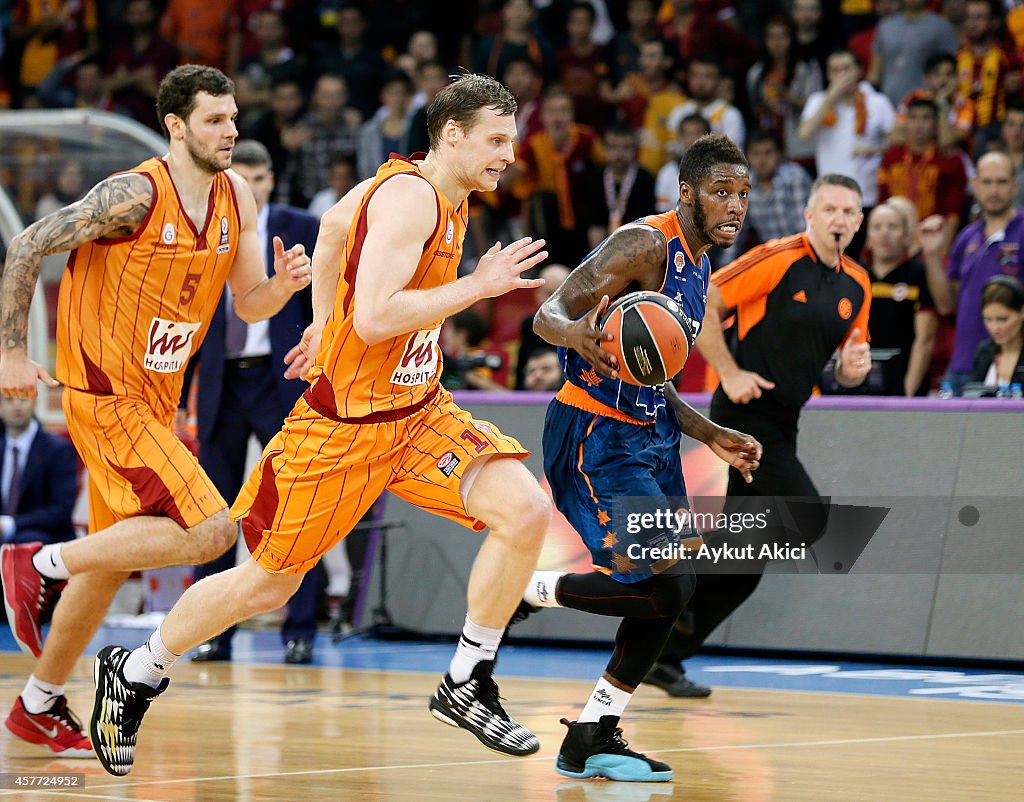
{"x": 606, "y": 700}
{"x": 38, "y": 695}
{"x": 49, "y": 563}
{"x": 540, "y": 592}
{"x": 476, "y": 645}
{"x": 150, "y": 662}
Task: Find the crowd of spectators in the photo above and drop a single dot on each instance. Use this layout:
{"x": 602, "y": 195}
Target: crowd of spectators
{"x": 905, "y": 96}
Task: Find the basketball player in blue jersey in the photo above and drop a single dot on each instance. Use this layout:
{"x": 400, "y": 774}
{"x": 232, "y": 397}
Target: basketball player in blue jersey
{"x": 605, "y": 439}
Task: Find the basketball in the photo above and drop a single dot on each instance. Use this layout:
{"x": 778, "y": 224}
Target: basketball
{"x": 652, "y": 337}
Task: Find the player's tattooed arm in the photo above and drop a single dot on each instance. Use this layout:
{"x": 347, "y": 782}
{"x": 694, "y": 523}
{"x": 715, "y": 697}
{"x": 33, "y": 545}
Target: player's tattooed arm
{"x": 113, "y": 208}
{"x": 633, "y": 258}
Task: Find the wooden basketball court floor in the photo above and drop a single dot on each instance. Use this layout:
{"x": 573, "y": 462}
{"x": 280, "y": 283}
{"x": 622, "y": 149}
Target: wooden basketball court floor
{"x": 355, "y": 726}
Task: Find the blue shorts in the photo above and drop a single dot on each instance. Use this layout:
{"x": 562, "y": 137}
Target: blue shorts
{"x": 590, "y": 460}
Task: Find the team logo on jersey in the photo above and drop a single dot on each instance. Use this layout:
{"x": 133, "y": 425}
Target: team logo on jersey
{"x": 448, "y": 463}
{"x": 223, "y": 233}
{"x": 169, "y": 345}
{"x": 845, "y": 308}
{"x": 679, "y": 261}
{"x": 900, "y": 291}
{"x": 419, "y": 361}
{"x": 449, "y": 233}
{"x": 168, "y": 235}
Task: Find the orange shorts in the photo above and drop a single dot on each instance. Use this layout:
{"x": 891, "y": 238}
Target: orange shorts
{"x": 136, "y": 464}
{"x": 317, "y": 477}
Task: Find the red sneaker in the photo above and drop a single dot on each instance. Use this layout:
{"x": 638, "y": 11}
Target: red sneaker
{"x": 28, "y": 595}
{"x": 57, "y": 728}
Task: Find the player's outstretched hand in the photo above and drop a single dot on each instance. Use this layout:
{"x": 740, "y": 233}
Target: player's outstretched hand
{"x": 300, "y": 358}
{"x": 739, "y": 450}
{"x": 585, "y": 337}
{"x": 744, "y": 385}
{"x": 292, "y": 266}
{"x": 19, "y": 374}
{"x": 500, "y": 270}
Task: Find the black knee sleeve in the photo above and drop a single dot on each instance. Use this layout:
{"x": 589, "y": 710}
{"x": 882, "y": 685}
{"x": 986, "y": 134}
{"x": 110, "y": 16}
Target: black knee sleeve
{"x": 672, "y": 592}
{"x": 662, "y": 596}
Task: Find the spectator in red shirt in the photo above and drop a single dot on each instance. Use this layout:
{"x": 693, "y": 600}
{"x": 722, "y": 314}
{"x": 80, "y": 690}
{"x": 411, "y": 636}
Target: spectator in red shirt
{"x": 205, "y": 31}
{"x": 550, "y": 175}
{"x": 138, "y": 63}
{"x": 934, "y": 180}
{"x": 695, "y": 30}
{"x": 582, "y": 65}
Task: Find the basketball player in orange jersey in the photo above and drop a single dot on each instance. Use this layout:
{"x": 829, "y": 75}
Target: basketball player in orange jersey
{"x": 605, "y": 439}
{"x": 375, "y": 418}
{"x": 151, "y": 249}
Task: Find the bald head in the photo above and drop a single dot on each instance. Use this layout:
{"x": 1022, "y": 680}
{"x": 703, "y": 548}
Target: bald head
{"x": 995, "y": 185}
{"x": 998, "y": 161}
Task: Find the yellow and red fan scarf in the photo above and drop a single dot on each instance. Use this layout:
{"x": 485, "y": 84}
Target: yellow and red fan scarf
{"x": 860, "y": 115}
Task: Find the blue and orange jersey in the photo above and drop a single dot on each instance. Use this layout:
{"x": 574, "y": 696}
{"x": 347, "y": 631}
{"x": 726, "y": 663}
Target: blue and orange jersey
{"x": 132, "y": 310}
{"x": 357, "y": 380}
{"x": 686, "y": 282}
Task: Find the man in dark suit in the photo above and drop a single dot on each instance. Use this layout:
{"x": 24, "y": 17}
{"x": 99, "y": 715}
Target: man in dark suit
{"x": 242, "y": 390}
{"x": 38, "y": 478}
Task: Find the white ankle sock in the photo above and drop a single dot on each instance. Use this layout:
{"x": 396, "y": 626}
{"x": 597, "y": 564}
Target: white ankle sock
{"x": 540, "y": 592}
{"x": 150, "y": 662}
{"x": 49, "y": 563}
{"x": 606, "y": 700}
{"x": 38, "y": 695}
{"x": 476, "y": 645}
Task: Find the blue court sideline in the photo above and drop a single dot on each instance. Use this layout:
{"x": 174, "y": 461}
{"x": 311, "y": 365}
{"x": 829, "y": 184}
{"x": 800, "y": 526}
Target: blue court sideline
{"x": 729, "y": 671}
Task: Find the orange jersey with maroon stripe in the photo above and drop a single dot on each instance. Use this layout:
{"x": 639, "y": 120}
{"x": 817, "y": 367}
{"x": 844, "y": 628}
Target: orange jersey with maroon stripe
{"x": 356, "y": 379}
{"x": 132, "y": 310}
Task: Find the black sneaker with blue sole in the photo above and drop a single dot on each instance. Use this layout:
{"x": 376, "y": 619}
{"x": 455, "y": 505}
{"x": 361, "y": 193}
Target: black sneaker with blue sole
{"x": 597, "y": 749}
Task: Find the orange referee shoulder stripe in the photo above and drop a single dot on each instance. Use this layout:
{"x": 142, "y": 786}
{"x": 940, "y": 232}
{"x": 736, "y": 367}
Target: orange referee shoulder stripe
{"x": 777, "y": 249}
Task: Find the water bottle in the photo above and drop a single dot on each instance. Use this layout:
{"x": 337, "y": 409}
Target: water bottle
{"x": 1004, "y": 390}
{"x": 946, "y": 390}
{"x": 1015, "y": 390}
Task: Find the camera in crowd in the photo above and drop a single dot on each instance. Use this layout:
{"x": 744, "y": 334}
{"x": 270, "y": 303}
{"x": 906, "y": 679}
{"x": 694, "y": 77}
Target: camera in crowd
{"x": 456, "y": 368}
